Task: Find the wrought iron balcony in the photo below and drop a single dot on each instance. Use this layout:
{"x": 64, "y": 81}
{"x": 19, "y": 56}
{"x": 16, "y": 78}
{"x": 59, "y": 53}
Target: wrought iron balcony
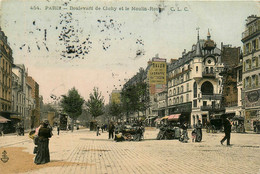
{"x": 211, "y": 97}
{"x": 209, "y": 74}
{"x": 212, "y": 108}
{"x": 248, "y": 33}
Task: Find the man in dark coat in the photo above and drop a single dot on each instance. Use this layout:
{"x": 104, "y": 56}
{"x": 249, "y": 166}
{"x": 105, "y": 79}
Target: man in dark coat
{"x": 42, "y": 153}
{"x": 111, "y": 129}
{"x": 227, "y": 129}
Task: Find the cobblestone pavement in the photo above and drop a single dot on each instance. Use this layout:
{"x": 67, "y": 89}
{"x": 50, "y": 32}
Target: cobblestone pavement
{"x": 148, "y": 156}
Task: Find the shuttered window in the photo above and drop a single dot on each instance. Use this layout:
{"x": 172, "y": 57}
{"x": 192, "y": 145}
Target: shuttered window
{"x": 256, "y": 80}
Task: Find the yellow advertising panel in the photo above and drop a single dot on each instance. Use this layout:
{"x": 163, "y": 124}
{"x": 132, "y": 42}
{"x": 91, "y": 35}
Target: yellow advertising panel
{"x": 157, "y": 73}
{"x": 115, "y": 98}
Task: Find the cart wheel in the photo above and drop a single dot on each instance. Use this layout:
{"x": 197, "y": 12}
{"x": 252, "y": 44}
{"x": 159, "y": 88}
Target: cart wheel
{"x": 128, "y": 136}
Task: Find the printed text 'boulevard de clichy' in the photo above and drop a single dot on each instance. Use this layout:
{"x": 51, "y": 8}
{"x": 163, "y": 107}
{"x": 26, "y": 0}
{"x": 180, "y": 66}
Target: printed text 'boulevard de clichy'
{"x": 111, "y": 8}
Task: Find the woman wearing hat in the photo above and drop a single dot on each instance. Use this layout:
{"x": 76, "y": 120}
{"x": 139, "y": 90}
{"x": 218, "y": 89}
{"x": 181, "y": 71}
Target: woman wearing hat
{"x": 43, "y": 154}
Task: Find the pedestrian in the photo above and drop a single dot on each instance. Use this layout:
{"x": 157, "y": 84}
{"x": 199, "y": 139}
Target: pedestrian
{"x": 198, "y": 131}
{"x": 98, "y": 127}
{"x": 227, "y": 129}
{"x": 42, "y": 153}
{"x": 185, "y": 132}
{"x": 58, "y": 130}
{"x": 102, "y": 127}
{"x": 111, "y": 129}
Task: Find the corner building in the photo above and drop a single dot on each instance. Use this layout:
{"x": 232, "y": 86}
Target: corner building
{"x": 251, "y": 70}
{"x": 194, "y": 83}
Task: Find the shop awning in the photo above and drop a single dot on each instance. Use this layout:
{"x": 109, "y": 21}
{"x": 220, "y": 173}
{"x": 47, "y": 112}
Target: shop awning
{"x": 165, "y": 117}
{"x": 4, "y": 120}
{"x": 174, "y": 117}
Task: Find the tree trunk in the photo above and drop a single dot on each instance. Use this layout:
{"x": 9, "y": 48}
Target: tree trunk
{"x": 72, "y": 125}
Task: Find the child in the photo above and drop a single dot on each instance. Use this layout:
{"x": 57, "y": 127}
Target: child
{"x": 193, "y": 135}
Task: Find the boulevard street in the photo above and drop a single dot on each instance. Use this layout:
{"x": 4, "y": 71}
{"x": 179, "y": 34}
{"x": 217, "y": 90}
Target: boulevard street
{"x": 83, "y": 152}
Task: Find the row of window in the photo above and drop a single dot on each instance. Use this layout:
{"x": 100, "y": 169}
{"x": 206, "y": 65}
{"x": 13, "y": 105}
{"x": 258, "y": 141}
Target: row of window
{"x": 178, "y": 90}
{"x": 180, "y": 70}
{"x": 251, "y": 81}
{"x": 179, "y": 79}
{"x": 178, "y": 100}
{"x": 251, "y": 63}
{"x": 6, "y": 95}
{"x": 5, "y": 80}
{"x": 6, "y": 66}
{"x": 6, "y": 107}
{"x": 250, "y": 46}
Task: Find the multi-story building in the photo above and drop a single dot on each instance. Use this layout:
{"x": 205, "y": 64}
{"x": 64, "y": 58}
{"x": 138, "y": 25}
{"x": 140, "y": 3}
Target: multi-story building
{"x": 162, "y": 103}
{"x": 115, "y": 96}
{"x": 6, "y": 61}
{"x": 18, "y": 90}
{"x": 22, "y": 101}
{"x": 194, "y": 83}
{"x": 35, "y": 118}
{"x": 251, "y": 70}
{"x": 232, "y": 78}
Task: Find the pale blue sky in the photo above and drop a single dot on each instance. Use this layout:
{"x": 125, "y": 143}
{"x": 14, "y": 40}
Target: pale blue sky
{"x": 167, "y": 33}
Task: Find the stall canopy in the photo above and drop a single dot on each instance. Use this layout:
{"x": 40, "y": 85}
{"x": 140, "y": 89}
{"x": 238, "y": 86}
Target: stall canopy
{"x": 165, "y": 117}
{"x": 174, "y": 117}
{"x": 3, "y": 120}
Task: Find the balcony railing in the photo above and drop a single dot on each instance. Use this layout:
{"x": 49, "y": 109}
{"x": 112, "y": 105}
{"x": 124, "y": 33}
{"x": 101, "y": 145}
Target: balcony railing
{"x": 247, "y": 33}
{"x": 211, "y": 97}
{"x": 209, "y": 74}
{"x": 212, "y": 108}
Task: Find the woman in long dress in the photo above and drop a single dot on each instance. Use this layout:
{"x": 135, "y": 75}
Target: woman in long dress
{"x": 43, "y": 154}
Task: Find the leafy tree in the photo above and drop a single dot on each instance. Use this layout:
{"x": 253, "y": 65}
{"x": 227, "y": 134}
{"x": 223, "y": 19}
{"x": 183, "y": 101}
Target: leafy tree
{"x": 143, "y": 97}
{"x": 115, "y": 109}
{"x": 95, "y": 103}
{"x": 72, "y": 105}
{"x": 135, "y": 98}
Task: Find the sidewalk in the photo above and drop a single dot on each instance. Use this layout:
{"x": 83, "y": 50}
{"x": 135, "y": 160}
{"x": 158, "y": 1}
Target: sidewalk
{"x": 84, "y": 152}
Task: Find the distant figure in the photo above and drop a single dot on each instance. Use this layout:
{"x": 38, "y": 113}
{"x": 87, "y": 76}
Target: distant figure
{"x": 198, "y": 131}
{"x": 98, "y": 127}
{"x": 227, "y": 130}
{"x": 42, "y": 153}
{"x": 102, "y": 127}
{"x": 111, "y": 129}
{"x": 185, "y": 132}
{"x": 58, "y": 130}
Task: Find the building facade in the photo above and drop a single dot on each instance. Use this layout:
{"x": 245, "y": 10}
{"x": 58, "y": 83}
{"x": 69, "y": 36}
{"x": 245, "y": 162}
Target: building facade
{"x": 22, "y": 101}
{"x": 35, "y": 118}
{"x": 251, "y": 70}
{"x": 232, "y": 78}
{"x": 6, "y": 61}
{"x": 195, "y": 83}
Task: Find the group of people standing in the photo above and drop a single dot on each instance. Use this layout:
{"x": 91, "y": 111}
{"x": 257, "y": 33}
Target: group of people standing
{"x": 111, "y": 129}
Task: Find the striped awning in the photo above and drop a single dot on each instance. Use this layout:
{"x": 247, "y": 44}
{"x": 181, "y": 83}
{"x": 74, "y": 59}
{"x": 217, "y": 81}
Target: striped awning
{"x": 4, "y": 120}
{"x": 174, "y": 117}
{"x": 165, "y": 117}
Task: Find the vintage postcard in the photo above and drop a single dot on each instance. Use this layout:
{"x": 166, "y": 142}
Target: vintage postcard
{"x": 121, "y": 87}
